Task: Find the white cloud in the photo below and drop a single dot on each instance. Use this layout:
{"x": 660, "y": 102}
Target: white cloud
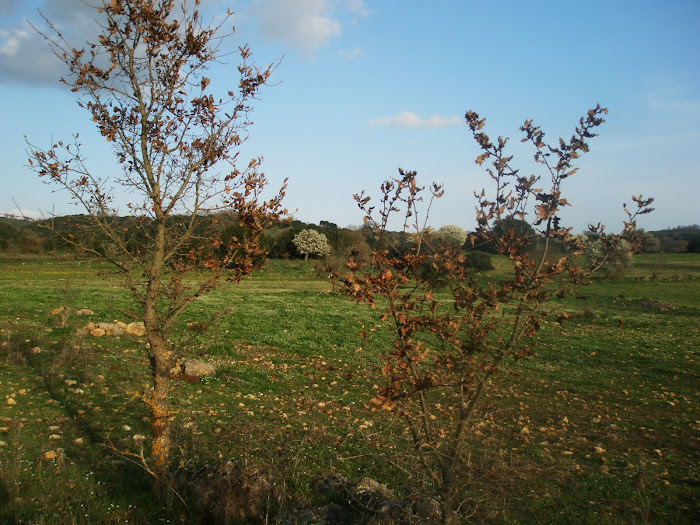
{"x": 11, "y": 41}
{"x": 351, "y": 54}
{"x": 306, "y": 25}
{"x": 25, "y": 56}
{"x": 411, "y": 120}
{"x": 356, "y": 7}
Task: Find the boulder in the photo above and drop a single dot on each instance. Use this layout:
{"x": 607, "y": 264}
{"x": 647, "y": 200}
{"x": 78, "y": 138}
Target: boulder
{"x": 366, "y": 502}
{"x": 421, "y": 511}
{"x": 137, "y": 329}
{"x": 102, "y": 329}
{"x": 228, "y": 492}
{"x": 332, "y": 484}
{"x": 115, "y": 328}
{"x": 370, "y": 494}
{"x": 192, "y": 368}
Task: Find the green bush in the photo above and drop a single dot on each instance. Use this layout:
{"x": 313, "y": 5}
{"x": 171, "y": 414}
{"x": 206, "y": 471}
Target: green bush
{"x": 432, "y": 272}
{"x": 478, "y": 261}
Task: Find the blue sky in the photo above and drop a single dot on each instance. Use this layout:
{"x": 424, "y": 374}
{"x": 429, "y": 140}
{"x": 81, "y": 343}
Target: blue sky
{"x": 366, "y": 87}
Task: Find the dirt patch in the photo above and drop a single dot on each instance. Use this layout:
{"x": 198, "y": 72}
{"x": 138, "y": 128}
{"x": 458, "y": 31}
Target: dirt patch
{"x": 655, "y": 304}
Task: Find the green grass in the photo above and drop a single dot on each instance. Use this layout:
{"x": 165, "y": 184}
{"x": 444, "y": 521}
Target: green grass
{"x": 292, "y": 390}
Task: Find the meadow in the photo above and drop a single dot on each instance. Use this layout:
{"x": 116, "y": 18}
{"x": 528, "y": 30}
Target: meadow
{"x": 601, "y": 425}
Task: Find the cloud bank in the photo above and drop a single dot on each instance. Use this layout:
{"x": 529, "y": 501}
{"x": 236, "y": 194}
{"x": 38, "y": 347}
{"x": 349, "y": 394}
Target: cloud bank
{"x": 305, "y": 25}
{"x": 25, "y": 56}
{"x": 408, "y": 119}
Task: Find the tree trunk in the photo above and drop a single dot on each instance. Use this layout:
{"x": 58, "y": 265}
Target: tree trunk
{"x": 449, "y": 516}
{"x": 161, "y": 363}
{"x": 447, "y": 493}
{"x": 159, "y": 407}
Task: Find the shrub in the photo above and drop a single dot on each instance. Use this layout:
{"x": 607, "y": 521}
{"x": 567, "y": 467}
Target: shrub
{"x": 432, "y": 272}
{"x": 693, "y": 247}
{"x": 477, "y": 261}
{"x": 510, "y": 233}
{"x": 611, "y": 256}
{"x": 443, "y": 356}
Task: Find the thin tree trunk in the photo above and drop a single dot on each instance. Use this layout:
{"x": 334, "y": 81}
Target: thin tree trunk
{"x": 161, "y": 363}
{"x": 449, "y": 516}
{"x": 160, "y": 417}
{"x": 447, "y": 494}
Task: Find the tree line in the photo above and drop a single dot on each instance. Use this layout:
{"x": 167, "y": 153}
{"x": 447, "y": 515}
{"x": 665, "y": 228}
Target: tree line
{"x": 23, "y": 236}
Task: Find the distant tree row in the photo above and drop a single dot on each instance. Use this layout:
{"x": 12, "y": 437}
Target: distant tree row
{"x": 28, "y": 237}
{"x": 18, "y": 236}
{"x": 679, "y": 239}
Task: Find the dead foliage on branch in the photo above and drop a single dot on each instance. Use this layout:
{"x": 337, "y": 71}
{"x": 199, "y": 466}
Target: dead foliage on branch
{"x": 444, "y": 356}
{"x": 144, "y": 83}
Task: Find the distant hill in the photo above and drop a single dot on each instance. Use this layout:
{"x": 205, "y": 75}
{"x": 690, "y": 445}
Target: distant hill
{"x": 28, "y": 236}
{"x": 679, "y": 239}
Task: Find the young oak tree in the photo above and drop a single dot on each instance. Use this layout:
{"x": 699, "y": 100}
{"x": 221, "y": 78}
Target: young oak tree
{"x": 144, "y": 83}
{"x": 443, "y": 358}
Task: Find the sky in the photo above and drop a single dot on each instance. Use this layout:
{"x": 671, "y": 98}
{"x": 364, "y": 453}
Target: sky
{"x": 365, "y": 87}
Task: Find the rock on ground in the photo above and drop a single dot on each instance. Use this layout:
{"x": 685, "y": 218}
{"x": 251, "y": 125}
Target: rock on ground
{"x": 192, "y": 368}
{"x": 228, "y": 492}
{"x": 115, "y": 328}
{"x": 366, "y": 502}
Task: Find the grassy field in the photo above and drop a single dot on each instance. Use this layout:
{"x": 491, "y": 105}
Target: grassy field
{"x": 602, "y": 425}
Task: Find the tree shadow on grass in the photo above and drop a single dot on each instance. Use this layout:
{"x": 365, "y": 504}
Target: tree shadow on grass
{"x": 124, "y": 483}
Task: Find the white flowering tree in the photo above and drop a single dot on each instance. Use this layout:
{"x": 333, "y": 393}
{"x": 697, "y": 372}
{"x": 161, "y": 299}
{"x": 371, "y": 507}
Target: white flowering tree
{"x": 310, "y": 242}
{"x": 453, "y": 234}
